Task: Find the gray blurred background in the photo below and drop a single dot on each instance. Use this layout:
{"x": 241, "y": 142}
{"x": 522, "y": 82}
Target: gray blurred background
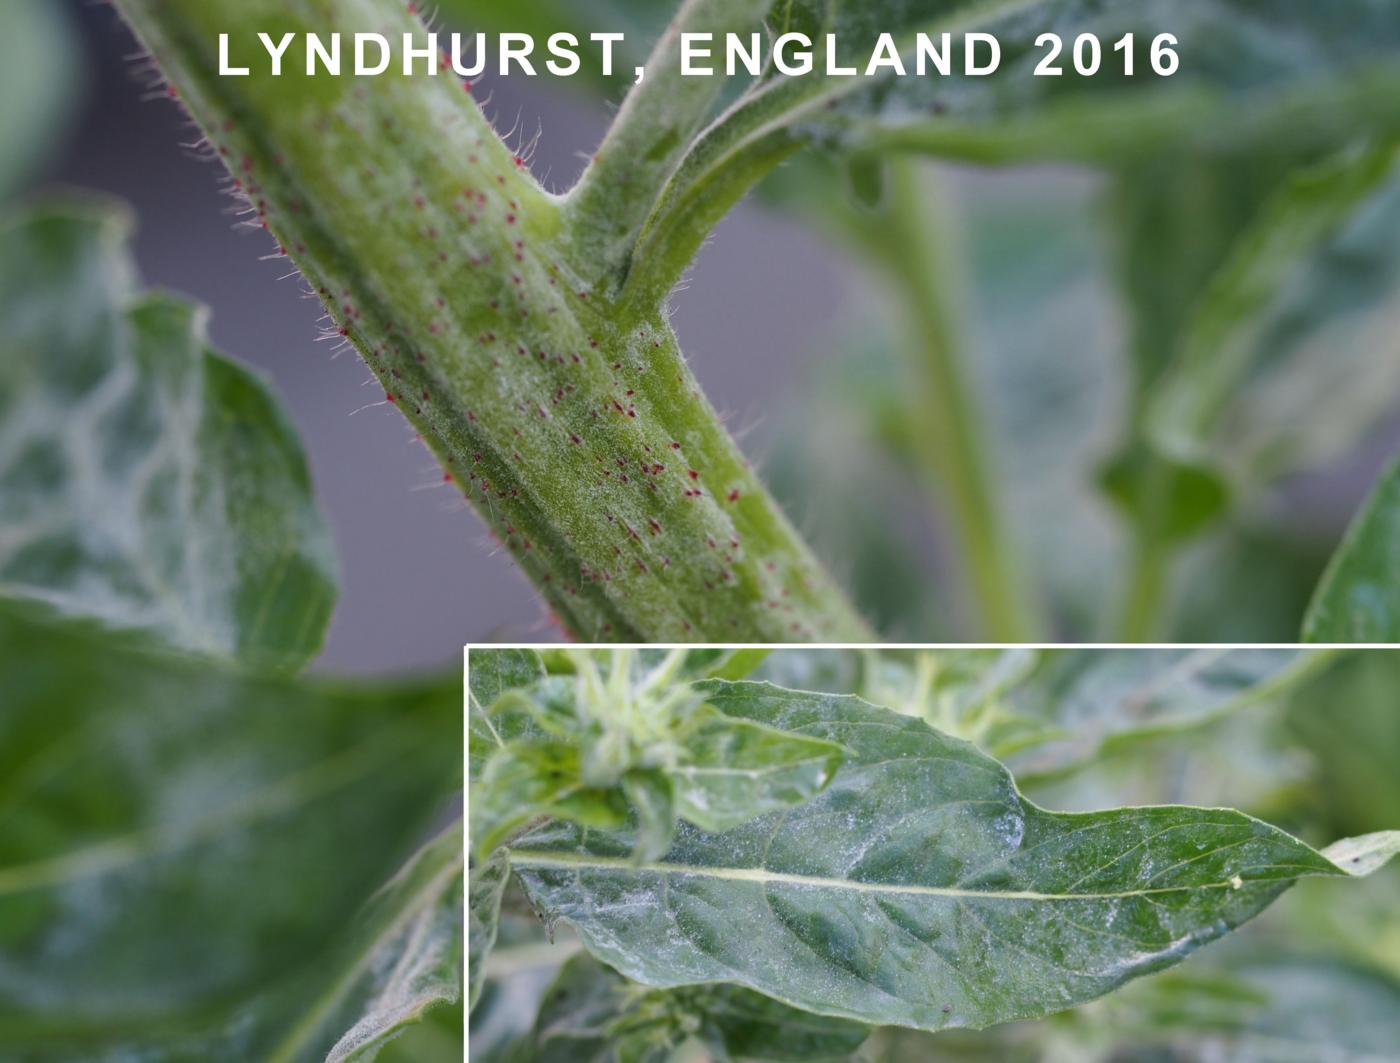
{"x": 763, "y": 295}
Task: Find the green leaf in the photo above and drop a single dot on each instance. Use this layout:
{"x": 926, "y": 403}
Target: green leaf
{"x": 592, "y": 1014}
{"x": 1101, "y": 700}
{"x": 1316, "y": 1008}
{"x": 1240, "y": 86}
{"x": 1262, "y": 1007}
{"x": 145, "y": 481}
{"x": 1358, "y": 600}
{"x": 1237, "y": 81}
{"x": 1228, "y": 334}
{"x": 198, "y": 865}
{"x": 651, "y": 793}
{"x": 533, "y": 779}
{"x": 38, "y": 81}
{"x": 437, "y": 1039}
{"x": 490, "y": 673}
{"x": 414, "y": 965}
{"x": 919, "y": 888}
{"x": 627, "y": 733}
{"x": 487, "y": 886}
{"x": 738, "y": 664}
{"x": 737, "y": 771}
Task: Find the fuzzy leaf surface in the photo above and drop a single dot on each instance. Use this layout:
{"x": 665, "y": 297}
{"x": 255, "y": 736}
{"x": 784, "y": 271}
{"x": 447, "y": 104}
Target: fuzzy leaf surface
{"x": 487, "y": 886}
{"x": 413, "y": 967}
{"x": 146, "y": 481}
{"x": 920, "y": 888}
{"x": 490, "y": 673}
{"x": 198, "y": 865}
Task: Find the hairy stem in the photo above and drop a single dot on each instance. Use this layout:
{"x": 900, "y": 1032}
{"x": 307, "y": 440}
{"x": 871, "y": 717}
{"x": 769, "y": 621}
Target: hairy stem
{"x": 584, "y": 442}
{"x": 906, "y": 240}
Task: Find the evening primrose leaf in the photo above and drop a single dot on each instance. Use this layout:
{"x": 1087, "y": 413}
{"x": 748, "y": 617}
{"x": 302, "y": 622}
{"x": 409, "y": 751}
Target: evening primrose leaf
{"x": 145, "y": 481}
{"x": 919, "y": 889}
{"x": 725, "y": 663}
{"x": 416, "y": 958}
{"x": 1236, "y": 88}
{"x": 1358, "y": 600}
{"x": 1228, "y": 342}
{"x": 1100, "y": 700}
{"x": 199, "y": 865}
{"x": 592, "y": 1013}
{"x": 1319, "y": 1007}
{"x": 1248, "y": 1009}
{"x": 487, "y": 884}
{"x": 1233, "y": 84}
{"x": 532, "y": 779}
{"x": 652, "y": 796}
{"x": 737, "y": 770}
{"x": 490, "y": 674}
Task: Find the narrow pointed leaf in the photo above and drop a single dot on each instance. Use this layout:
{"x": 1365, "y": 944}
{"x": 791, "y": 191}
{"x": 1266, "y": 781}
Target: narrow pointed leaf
{"x": 144, "y": 480}
{"x": 1358, "y": 600}
{"x": 919, "y": 888}
{"x": 487, "y": 885}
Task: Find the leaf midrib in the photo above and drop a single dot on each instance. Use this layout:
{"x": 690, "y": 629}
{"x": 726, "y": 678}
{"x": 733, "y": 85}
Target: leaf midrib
{"x": 531, "y": 859}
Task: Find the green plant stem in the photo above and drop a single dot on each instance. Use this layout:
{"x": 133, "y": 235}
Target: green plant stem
{"x": 582, "y": 439}
{"x": 907, "y": 240}
{"x": 1145, "y": 599}
{"x": 656, "y": 124}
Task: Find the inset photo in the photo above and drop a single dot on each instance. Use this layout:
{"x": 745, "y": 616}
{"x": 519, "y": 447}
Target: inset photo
{"x": 700, "y": 855}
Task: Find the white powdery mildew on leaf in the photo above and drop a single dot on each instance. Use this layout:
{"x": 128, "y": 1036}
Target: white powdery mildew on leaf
{"x": 413, "y": 967}
{"x": 145, "y": 481}
{"x": 919, "y": 888}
